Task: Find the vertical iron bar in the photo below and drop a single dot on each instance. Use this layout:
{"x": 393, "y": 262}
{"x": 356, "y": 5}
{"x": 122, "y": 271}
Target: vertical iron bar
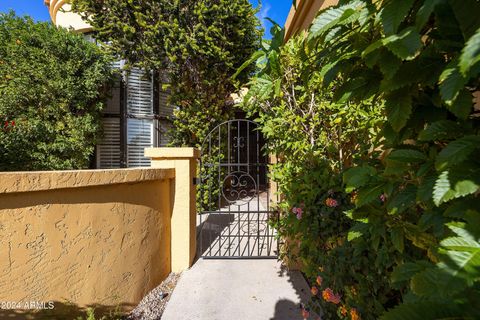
{"x": 239, "y": 217}
{"x": 248, "y": 171}
{"x": 219, "y": 182}
{"x": 228, "y": 173}
{"x": 277, "y": 211}
{"x": 209, "y": 191}
{"x": 123, "y": 121}
{"x": 267, "y": 183}
{"x": 258, "y": 192}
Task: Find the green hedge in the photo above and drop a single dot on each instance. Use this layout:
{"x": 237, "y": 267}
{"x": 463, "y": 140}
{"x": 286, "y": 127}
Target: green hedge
{"x": 51, "y": 92}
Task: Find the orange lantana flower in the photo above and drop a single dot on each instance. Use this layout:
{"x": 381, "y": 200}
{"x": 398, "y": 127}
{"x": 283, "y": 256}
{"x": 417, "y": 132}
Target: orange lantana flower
{"x": 329, "y": 296}
{"x": 343, "y": 310}
{"x": 354, "y": 314}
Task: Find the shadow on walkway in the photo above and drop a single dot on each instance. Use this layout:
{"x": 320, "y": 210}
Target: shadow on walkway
{"x": 237, "y": 289}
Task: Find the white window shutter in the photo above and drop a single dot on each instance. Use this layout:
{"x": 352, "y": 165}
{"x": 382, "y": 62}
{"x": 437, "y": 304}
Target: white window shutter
{"x": 140, "y": 130}
{"x": 108, "y": 150}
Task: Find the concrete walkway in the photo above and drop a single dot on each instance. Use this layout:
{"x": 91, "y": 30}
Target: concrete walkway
{"x": 237, "y": 290}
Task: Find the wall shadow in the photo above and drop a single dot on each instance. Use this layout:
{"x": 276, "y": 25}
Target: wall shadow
{"x": 209, "y": 231}
{"x": 123, "y": 193}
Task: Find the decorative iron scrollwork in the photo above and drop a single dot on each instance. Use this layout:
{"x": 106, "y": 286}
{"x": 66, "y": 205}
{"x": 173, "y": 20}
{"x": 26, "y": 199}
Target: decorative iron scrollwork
{"x": 239, "y": 187}
{"x": 238, "y": 142}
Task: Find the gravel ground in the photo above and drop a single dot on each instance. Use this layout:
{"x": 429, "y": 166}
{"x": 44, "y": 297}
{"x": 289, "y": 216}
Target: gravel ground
{"x": 152, "y": 305}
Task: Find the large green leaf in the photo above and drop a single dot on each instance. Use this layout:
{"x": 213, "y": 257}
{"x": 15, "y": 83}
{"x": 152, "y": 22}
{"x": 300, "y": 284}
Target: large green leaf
{"x": 461, "y": 209}
{"x": 407, "y": 270}
{"x": 466, "y": 13}
{"x": 425, "y": 12}
{"x": 425, "y": 189}
{"x": 436, "y": 282}
{"x": 423, "y": 311}
{"x": 457, "y": 151}
{"x": 462, "y": 105}
{"x": 464, "y": 241}
{"x": 263, "y": 88}
{"x": 368, "y": 194}
{"x": 398, "y": 238}
{"x": 357, "y": 177}
{"x": 444, "y": 190}
{"x": 463, "y": 253}
{"x": 470, "y": 54}
{"x": 333, "y": 17}
{"x": 407, "y": 155}
{"x": 254, "y": 58}
{"x": 396, "y": 168}
{"x": 389, "y": 63}
{"x": 274, "y": 63}
{"x": 440, "y": 130}
{"x": 441, "y": 188}
{"x": 403, "y": 200}
{"x": 404, "y": 45}
{"x": 451, "y": 82}
{"x": 394, "y": 12}
{"x": 398, "y": 107}
{"x": 358, "y": 230}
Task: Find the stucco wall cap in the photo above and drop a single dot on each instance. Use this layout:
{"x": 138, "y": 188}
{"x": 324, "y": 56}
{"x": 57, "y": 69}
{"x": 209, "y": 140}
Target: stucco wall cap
{"x": 12, "y": 182}
{"x": 172, "y": 153}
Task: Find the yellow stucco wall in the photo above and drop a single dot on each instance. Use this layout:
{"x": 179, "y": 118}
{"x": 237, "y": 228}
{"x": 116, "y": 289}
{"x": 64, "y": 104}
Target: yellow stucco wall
{"x": 88, "y": 237}
{"x": 184, "y": 214}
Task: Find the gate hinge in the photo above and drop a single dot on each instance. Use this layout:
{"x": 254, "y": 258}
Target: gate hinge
{"x": 196, "y": 181}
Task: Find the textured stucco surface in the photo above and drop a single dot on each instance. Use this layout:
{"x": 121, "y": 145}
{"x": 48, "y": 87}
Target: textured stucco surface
{"x": 88, "y": 237}
{"x": 184, "y": 214}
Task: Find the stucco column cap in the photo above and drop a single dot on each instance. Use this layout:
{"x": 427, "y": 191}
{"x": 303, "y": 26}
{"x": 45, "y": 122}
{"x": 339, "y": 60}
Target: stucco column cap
{"x": 172, "y": 153}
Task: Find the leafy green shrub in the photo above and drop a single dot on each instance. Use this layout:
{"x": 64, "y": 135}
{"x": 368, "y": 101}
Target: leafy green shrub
{"x": 411, "y": 202}
{"x": 51, "y": 92}
{"x": 315, "y": 139}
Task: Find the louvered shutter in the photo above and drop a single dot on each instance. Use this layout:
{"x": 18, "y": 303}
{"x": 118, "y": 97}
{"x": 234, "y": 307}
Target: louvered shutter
{"x": 139, "y": 137}
{"x": 140, "y": 122}
{"x": 108, "y": 150}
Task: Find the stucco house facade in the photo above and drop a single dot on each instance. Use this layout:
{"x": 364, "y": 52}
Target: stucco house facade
{"x": 301, "y": 16}
{"x": 137, "y": 116}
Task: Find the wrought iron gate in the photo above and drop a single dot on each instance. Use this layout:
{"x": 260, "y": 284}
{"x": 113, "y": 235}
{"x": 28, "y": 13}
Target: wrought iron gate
{"x": 235, "y": 195}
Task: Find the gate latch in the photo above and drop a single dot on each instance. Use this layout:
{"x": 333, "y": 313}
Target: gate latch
{"x": 196, "y": 181}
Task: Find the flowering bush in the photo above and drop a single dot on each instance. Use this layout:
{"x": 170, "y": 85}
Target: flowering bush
{"x": 321, "y": 139}
{"x": 398, "y": 238}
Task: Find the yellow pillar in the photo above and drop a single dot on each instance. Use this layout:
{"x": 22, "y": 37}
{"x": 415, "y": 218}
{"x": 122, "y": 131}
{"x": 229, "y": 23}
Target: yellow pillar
{"x": 184, "y": 215}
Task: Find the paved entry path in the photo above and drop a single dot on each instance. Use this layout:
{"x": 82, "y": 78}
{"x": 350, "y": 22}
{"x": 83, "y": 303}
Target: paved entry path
{"x": 237, "y": 290}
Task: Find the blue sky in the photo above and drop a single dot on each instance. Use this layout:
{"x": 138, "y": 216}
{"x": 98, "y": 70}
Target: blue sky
{"x": 34, "y": 8}
{"x": 275, "y": 9}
